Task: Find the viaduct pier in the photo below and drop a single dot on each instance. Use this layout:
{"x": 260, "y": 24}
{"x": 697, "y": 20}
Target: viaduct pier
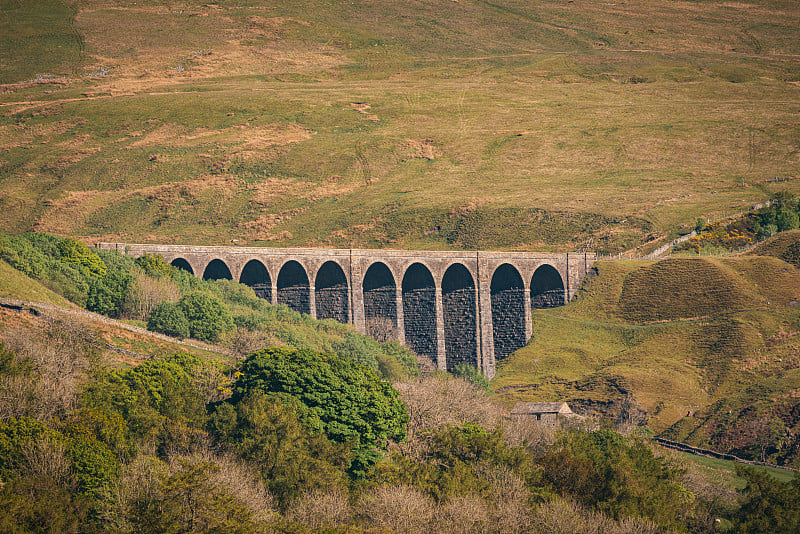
{"x": 453, "y": 307}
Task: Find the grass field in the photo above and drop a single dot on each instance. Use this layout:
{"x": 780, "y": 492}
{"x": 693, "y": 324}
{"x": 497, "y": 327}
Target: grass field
{"x": 705, "y": 348}
{"x": 454, "y": 125}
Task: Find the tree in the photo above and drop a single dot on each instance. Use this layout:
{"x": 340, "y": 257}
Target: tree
{"x": 616, "y": 475}
{"x": 276, "y": 433}
{"x": 458, "y": 460}
{"x": 154, "y": 265}
{"x": 207, "y": 316}
{"x": 107, "y": 294}
{"x": 354, "y": 405}
{"x": 769, "y": 504}
{"x": 168, "y": 318}
{"x": 77, "y": 252}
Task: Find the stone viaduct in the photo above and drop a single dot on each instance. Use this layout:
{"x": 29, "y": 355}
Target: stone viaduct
{"x": 453, "y": 307}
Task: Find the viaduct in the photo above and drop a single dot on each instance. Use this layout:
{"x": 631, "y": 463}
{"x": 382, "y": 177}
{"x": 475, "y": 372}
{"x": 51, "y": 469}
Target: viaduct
{"x": 453, "y": 307}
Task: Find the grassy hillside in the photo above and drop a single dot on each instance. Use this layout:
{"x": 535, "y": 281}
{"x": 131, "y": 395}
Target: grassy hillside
{"x": 524, "y": 125}
{"x": 708, "y": 347}
{"x": 785, "y": 245}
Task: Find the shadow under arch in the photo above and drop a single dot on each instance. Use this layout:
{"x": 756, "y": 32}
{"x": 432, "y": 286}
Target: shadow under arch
{"x": 181, "y": 263}
{"x": 331, "y": 293}
{"x": 380, "y": 302}
{"x": 256, "y": 275}
{"x": 293, "y": 287}
{"x": 458, "y": 312}
{"x": 419, "y": 310}
{"x": 547, "y": 288}
{"x": 217, "y": 270}
{"x": 508, "y": 311}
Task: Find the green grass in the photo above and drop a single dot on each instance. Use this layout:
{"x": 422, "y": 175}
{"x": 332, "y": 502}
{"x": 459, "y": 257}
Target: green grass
{"x": 715, "y": 338}
{"x": 39, "y": 40}
{"x": 727, "y": 469}
{"x": 15, "y": 285}
{"x": 549, "y": 126}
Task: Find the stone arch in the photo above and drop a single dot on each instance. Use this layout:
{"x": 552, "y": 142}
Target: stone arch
{"x": 419, "y": 310}
{"x": 293, "y": 287}
{"x": 547, "y": 288}
{"x": 217, "y": 270}
{"x": 508, "y": 311}
{"x": 331, "y": 293}
{"x": 458, "y": 311}
{"x": 255, "y": 275}
{"x": 181, "y": 263}
{"x": 380, "y": 302}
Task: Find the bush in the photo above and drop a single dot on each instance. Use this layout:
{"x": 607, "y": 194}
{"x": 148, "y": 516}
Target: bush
{"x": 154, "y": 265}
{"x": 769, "y": 505}
{"x": 472, "y": 374}
{"x": 618, "y": 476}
{"x": 353, "y": 404}
{"x": 276, "y": 433}
{"x": 107, "y": 294}
{"x": 207, "y": 316}
{"x": 459, "y": 460}
{"x": 79, "y": 253}
{"x": 168, "y": 318}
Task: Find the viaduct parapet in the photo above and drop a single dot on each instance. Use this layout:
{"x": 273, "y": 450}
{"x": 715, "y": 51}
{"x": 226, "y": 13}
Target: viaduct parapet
{"x": 453, "y": 307}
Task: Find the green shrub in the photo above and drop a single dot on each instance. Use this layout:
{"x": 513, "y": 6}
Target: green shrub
{"x": 354, "y": 405}
{"x": 168, "y": 318}
{"x": 153, "y": 397}
{"x": 79, "y": 253}
{"x": 282, "y": 436}
{"x": 154, "y": 265}
{"x": 452, "y": 459}
{"x": 402, "y": 355}
{"x": 472, "y": 374}
{"x": 618, "y": 476}
{"x": 769, "y": 505}
{"x": 207, "y": 316}
{"x": 106, "y": 295}
{"x": 360, "y": 349}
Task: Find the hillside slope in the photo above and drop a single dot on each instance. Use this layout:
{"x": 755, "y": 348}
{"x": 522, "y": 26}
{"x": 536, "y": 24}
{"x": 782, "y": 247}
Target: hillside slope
{"x": 785, "y": 246}
{"x": 440, "y": 124}
{"x": 699, "y": 349}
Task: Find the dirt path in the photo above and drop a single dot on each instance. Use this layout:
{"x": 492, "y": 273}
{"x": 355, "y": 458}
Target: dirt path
{"x": 37, "y": 308}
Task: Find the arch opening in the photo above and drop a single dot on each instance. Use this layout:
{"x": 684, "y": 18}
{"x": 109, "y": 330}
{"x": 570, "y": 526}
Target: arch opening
{"x": 380, "y": 303}
{"x": 181, "y": 263}
{"x": 460, "y": 322}
{"x": 255, "y": 275}
{"x": 293, "y": 287}
{"x": 547, "y": 288}
{"x": 331, "y": 293}
{"x": 508, "y": 311}
{"x": 419, "y": 311}
{"x": 217, "y": 270}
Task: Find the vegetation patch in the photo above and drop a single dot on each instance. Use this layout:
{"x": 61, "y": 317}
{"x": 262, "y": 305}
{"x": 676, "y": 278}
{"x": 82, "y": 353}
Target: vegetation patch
{"x": 683, "y": 288}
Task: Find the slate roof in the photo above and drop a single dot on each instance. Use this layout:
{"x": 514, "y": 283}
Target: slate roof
{"x": 524, "y": 408}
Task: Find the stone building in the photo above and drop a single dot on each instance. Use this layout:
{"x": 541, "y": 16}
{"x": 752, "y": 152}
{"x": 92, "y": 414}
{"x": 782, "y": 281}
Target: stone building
{"x": 546, "y": 412}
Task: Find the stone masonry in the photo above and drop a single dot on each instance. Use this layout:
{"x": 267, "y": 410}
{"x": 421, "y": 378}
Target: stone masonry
{"x": 453, "y": 307}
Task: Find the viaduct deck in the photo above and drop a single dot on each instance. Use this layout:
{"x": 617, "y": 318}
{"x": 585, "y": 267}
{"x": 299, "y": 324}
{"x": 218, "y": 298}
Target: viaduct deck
{"x": 451, "y": 306}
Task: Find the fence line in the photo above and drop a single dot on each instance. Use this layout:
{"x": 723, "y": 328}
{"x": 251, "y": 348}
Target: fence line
{"x": 657, "y": 253}
{"x": 683, "y": 447}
